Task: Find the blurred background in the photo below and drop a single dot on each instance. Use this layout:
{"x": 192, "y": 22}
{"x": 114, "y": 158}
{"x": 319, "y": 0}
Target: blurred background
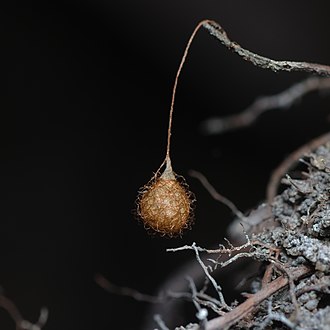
{"x": 87, "y": 88}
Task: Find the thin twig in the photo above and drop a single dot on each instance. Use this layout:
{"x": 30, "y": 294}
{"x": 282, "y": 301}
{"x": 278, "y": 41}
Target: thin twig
{"x": 124, "y": 291}
{"x": 158, "y": 319}
{"x": 275, "y": 317}
{"x": 285, "y": 99}
{"x": 20, "y": 322}
{"x": 223, "y": 250}
{"x": 260, "y": 61}
{"x": 237, "y": 256}
{"x": 216, "y": 286}
{"x": 292, "y": 288}
{"x": 201, "y": 312}
{"x": 200, "y": 297}
{"x": 210, "y": 302}
{"x": 222, "y": 199}
{"x": 269, "y": 270}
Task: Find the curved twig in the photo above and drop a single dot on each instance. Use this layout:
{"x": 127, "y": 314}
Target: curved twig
{"x": 20, "y": 322}
{"x": 290, "y": 161}
{"x": 260, "y": 61}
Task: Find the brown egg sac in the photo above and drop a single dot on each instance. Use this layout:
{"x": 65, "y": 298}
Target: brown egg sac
{"x": 165, "y": 207}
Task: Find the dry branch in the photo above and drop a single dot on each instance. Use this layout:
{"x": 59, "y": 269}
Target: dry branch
{"x": 219, "y": 33}
{"x": 254, "y": 301}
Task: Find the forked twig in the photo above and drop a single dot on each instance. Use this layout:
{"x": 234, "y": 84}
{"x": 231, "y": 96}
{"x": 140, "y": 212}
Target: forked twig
{"x": 238, "y": 313}
{"x": 222, "y": 249}
{"x": 20, "y": 322}
{"x": 216, "y": 286}
{"x": 202, "y": 313}
{"x": 271, "y": 316}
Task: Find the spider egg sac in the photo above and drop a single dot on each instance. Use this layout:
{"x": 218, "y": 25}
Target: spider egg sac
{"x": 165, "y": 206}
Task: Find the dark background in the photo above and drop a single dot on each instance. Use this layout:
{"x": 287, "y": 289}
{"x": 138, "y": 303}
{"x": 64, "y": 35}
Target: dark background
{"x": 84, "y": 110}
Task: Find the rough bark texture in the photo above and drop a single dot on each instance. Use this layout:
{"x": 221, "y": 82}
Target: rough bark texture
{"x": 291, "y": 243}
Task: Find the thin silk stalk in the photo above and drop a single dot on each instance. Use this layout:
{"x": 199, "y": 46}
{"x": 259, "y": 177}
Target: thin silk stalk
{"x": 167, "y": 158}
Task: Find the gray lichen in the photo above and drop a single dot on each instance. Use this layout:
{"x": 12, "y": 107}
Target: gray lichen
{"x": 303, "y": 213}
{"x": 302, "y": 231}
{"x": 294, "y": 235}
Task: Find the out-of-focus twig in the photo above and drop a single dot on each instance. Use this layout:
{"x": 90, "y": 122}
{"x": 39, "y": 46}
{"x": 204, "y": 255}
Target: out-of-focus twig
{"x": 20, "y": 322}
{"x": 124, "y": 291}
{"x": 285, "y": 99}
{"x": 158, "y": 319}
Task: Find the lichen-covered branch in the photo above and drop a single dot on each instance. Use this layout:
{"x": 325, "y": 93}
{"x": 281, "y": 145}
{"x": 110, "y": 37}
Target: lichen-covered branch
{"x": 296, "y": 251}
{"x": 219, "y": 33}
